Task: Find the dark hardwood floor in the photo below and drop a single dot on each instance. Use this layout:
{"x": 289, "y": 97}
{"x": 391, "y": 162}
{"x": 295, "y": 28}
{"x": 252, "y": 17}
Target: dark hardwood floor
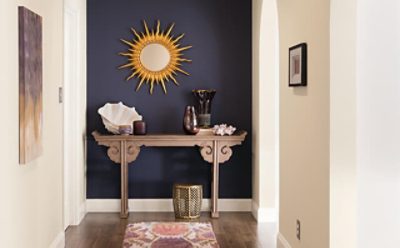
{"x": 232, "y": 230}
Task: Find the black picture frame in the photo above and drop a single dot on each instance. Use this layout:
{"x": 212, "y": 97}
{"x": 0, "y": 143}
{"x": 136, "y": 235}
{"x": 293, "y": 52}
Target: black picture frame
{"x": 298, "y": 65}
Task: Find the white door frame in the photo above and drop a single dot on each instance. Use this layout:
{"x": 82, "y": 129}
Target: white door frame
{"x": 73, "y": 176}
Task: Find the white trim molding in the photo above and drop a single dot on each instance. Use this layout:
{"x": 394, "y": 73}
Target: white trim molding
{"x": 81, "y": 214}
{"x": 282, "y": 242}
{"x": 73, "y": 153}
{"x": 163, "y": 205}
{"x": 264, "y": 215}
{"x": 59, "y": 241}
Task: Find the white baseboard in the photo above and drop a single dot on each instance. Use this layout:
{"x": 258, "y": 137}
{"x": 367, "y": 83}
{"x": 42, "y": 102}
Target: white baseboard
{"x": 282, "y": 242}
{"x": 59, "y": 241}
{"x": 263, "y": 215}
{"x": 163, "y": 205}
{"x": 82, "y": 213}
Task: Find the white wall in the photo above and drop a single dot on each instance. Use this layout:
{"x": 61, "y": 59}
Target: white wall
{"x": 75, "y": 109}
{"x": 343, "y": 194}
{"x": 31, "y": 195}
{"x": 304, "y": 125}
{"x": 364, "y": 117}
{"x": 378, "y": 122}
{"x": 265, "y": 110}
{"x": 365, "y": 100}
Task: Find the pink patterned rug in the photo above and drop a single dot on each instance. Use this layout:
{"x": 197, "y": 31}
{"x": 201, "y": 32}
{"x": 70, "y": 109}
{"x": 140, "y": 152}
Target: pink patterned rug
{"x": 170, "y": 234}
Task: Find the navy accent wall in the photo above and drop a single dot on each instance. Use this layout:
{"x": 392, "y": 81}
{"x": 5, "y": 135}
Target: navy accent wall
{"x": 220, "y": 32}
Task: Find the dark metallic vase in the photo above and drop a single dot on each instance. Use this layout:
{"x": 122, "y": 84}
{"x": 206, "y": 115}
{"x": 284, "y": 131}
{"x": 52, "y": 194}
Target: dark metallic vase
{"x": 190, "y": 121}
{"x": 204, "y": 98}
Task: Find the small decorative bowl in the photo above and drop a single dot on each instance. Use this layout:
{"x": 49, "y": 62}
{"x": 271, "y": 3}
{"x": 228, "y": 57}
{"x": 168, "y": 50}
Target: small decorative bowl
{"x": 125, "y": 129}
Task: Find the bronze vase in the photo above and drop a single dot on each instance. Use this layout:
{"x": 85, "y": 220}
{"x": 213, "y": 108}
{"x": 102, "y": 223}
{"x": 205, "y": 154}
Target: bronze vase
{"x": 190, "y": 121}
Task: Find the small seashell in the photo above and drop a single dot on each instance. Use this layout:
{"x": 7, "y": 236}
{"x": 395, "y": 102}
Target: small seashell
{"x": 223, "y": 129}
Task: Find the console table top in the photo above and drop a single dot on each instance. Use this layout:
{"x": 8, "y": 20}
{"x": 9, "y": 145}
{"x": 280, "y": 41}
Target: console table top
{"x": 238, "y": 136}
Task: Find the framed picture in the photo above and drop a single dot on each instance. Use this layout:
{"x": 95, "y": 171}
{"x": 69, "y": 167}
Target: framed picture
{"x": 298, "y": 65}
{"x": 30, "y": 85}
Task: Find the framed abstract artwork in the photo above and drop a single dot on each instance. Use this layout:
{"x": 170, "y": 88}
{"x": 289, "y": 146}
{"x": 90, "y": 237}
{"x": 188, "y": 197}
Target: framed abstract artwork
{"x": 30, "y": 85}
{"x": 298, "y": 65}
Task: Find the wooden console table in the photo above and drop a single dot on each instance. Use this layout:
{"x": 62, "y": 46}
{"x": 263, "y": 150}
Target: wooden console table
{"x": 124, "y": 149}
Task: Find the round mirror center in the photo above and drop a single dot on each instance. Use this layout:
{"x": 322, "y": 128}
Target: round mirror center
{"x": 154, "y": 57}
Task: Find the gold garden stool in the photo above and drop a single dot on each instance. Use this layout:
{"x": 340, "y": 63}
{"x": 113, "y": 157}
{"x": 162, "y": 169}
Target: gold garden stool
{"x": 187, "y": 200}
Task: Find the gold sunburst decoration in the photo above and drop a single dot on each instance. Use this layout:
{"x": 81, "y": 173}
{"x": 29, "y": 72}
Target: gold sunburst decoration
{"x": 164, "y": 71}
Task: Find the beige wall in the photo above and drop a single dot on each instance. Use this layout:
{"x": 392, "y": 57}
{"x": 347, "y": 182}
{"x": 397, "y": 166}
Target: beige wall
{"x": 31, "y": 195}
{"x": 304, "y": 125}
{"x": 256, "y": 15}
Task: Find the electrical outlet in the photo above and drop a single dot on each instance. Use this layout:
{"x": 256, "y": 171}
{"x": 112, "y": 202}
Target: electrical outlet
{"x": 298, "y": 229}
{"x": 60, "y": 95}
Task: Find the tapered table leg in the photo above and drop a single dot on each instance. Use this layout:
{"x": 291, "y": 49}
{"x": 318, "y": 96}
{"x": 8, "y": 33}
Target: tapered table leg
{"x": 124, "y": 182}
{"x": 215, "y": 182}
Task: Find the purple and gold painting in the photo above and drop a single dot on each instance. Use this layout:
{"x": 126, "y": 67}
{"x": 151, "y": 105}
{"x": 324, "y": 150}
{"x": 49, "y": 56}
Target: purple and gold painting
{"x": 30, "y": 85}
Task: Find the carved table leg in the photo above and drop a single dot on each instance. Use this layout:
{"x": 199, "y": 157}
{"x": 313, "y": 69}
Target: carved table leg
{"x": 124, "y": 182}
{"x": 215, "y": 181}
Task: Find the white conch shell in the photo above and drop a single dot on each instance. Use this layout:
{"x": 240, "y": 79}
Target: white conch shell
{"x": 115, "y": 115}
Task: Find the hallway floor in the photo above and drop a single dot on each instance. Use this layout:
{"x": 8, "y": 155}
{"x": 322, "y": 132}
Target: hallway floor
{"x": 233, "y": 230}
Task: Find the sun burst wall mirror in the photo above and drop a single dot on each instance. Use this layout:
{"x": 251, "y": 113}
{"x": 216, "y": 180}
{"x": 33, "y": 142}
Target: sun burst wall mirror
{"x": 154, "y": 57}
